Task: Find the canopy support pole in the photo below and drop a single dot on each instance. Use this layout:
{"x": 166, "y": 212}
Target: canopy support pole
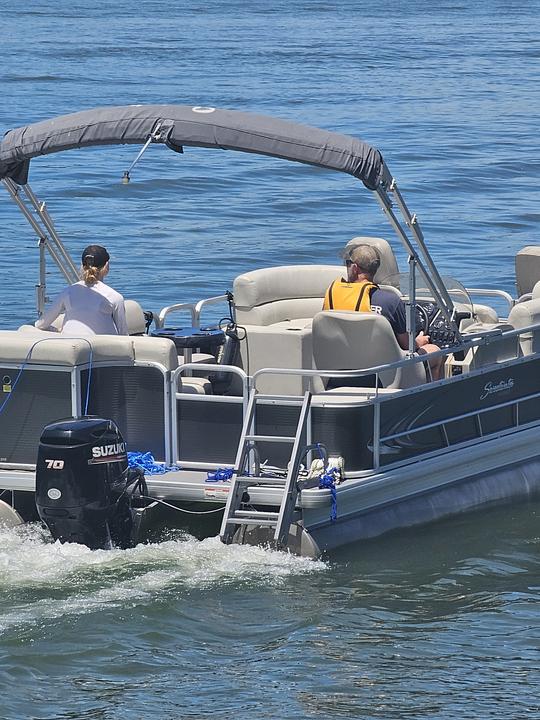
{"x": 430, "y": 274}
{"x": 40, "y": 221}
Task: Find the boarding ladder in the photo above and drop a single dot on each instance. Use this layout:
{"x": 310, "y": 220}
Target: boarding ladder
{"x": 235, "y": 515}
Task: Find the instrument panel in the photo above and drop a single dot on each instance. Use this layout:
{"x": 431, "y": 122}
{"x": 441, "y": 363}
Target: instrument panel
{"x": 430, "y": 320}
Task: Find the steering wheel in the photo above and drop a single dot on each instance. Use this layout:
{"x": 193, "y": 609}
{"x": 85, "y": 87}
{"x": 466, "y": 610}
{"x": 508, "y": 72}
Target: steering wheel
{"x": 421, "y": 319}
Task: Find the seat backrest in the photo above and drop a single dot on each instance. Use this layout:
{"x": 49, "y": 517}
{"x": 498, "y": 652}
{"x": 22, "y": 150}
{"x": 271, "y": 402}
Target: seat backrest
{"x": 498, "y": 350}
{"x": 136, "y": 321}
{"x": 388, "y": 268}
{"x": 33, "y": 346}
{"x": 292, "y": 292}
{"x": 155, "y": 350}
{"x": 347, "y": 340}
{"x": 522, "y": 315}
{"x": 527, "y": 269}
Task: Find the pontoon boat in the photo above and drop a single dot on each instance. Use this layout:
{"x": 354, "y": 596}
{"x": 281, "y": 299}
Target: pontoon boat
{"x": 301, "y": 428}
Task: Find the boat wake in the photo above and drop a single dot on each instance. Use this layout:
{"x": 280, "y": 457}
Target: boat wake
{"x": 47, "y": 580}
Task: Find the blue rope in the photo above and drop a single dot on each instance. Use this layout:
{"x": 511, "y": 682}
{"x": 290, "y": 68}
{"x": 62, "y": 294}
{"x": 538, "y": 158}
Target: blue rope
{"x": 328, "y": 480}
{"x": 146, "y": 462}
{"x": 220, "y": 475}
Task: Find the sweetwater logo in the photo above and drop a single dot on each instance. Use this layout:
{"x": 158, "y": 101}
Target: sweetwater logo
{"x": 492, "y": 388}
{"x": 108, "y": 453}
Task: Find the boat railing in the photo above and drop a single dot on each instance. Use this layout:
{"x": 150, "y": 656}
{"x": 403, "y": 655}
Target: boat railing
{"x": 375, "y": 396}
{"x": 194, "y": 309}
{"x": 190, "y": 397}
{"x": 477, "y": 339}
{"x": 202, "y": 304}
{"x": 485, "y": 292}
{"x": 178, "y": 307}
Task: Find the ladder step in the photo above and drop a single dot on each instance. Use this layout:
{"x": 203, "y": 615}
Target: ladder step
{"x": 263, "y": 522}
{"x": 271, "y": 438}
{"x": 259, "y": 480}
{"x": 256, "y": 514}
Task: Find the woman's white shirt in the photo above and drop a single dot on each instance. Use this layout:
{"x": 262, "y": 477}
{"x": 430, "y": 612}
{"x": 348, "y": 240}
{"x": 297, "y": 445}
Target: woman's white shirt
{"x": 88, "y": 310}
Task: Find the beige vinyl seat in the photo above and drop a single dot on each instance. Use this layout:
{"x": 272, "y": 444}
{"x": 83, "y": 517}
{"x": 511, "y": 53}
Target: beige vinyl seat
{"x": 347, "y": 340}
{"x": 70, "y": 351}
{"x": 135, "y": 318}
{"x": 276, "y": 307}
{"x": 527, "y": 269}
{"x": 498, "y": 350}
{"x": 388, "y": 269}
{"x": 524, "y": 314}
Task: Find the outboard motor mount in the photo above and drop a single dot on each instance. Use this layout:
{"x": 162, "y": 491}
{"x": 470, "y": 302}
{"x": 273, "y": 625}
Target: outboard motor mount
{"x": 84, "y": 487}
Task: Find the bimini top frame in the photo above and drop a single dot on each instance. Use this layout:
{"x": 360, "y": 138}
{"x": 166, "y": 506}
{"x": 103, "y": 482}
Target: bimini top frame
{"x": 178, "y": 126}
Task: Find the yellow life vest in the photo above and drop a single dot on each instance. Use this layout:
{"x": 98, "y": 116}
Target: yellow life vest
{"x": 342, "y": 295}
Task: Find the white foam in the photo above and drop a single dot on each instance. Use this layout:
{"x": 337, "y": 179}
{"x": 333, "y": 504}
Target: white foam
{"x": 71, "y": 579}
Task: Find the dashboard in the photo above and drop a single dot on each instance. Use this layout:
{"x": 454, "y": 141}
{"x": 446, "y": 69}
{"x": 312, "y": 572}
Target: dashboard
{"x": 430, "y": 320}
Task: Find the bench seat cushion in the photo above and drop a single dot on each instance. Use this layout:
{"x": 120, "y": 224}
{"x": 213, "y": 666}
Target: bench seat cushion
{"x": 51, "y": 348}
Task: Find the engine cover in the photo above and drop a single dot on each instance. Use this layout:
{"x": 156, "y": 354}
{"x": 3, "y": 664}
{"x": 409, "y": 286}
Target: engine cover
{"x": 82, "y": 483}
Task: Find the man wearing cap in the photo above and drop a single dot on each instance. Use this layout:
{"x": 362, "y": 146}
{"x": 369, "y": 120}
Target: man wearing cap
{"x": 89, "y": 306}
{"x": 360, "y": 293}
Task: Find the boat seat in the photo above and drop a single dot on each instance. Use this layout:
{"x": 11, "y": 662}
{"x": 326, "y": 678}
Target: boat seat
{"x": 522, "y": 315}
{"x": 279, "y": 294}
{"x": 348, "y": 340}
{"x": 135, "y": 318}
{"x": 497, "y": 351}
{"x": 66, "y": 351}
{"x": 35, "y": 346}
{"x": 388, "y": 269}
{"x": 275, "y": 306}
{"x": 483, "y": 314}
{"x": 527, "y": 269}
{"x": 272, "y": 295}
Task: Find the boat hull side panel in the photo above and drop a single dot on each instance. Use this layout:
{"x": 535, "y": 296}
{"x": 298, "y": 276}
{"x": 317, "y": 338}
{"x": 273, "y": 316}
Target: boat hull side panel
{"x": 134, "y": 398}
{"x": 517, "y": 482}
{"x": 469, "y": 395}
{"x": 39, "y": 398}
{"x": 346, "y": 432}
{"x": 208, "y": 431}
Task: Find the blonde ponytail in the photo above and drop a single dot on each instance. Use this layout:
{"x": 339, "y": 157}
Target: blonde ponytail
{"x": 90, "y": 275}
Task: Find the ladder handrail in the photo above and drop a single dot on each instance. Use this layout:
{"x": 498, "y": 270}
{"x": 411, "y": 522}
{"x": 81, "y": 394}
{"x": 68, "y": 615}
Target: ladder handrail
{"x": 290, "y": 491}
{"x": 233, "y": 515}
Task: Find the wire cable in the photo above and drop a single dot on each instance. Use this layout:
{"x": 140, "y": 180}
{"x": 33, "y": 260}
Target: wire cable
{"x": 182, "y": 510}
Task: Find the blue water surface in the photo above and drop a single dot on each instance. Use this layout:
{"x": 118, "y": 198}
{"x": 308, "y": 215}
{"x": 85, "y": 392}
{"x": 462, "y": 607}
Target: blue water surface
{"x": 441, "y": 622}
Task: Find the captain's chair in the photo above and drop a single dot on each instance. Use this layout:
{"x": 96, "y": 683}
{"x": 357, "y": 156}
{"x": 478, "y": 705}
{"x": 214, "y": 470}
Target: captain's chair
{"x": 348, "y": 340}
{"x": 388, "y": 269}
{"x": 135, "y": 318}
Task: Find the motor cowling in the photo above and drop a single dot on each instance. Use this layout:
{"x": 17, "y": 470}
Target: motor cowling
{"x": 84, "y": 488}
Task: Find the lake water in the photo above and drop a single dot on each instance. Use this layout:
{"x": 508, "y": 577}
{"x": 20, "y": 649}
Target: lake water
{"x": 441, "y": 622}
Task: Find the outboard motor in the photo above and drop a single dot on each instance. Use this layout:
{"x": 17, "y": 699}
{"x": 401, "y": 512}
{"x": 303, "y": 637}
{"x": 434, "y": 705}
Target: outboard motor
{"x": 84, "y": 488}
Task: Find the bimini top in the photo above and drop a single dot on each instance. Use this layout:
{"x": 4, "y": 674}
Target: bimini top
{"x": 177, "y": 126}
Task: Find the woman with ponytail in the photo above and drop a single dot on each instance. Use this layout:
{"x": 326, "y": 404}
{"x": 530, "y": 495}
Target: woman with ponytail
{"x": 89, "y": 306}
